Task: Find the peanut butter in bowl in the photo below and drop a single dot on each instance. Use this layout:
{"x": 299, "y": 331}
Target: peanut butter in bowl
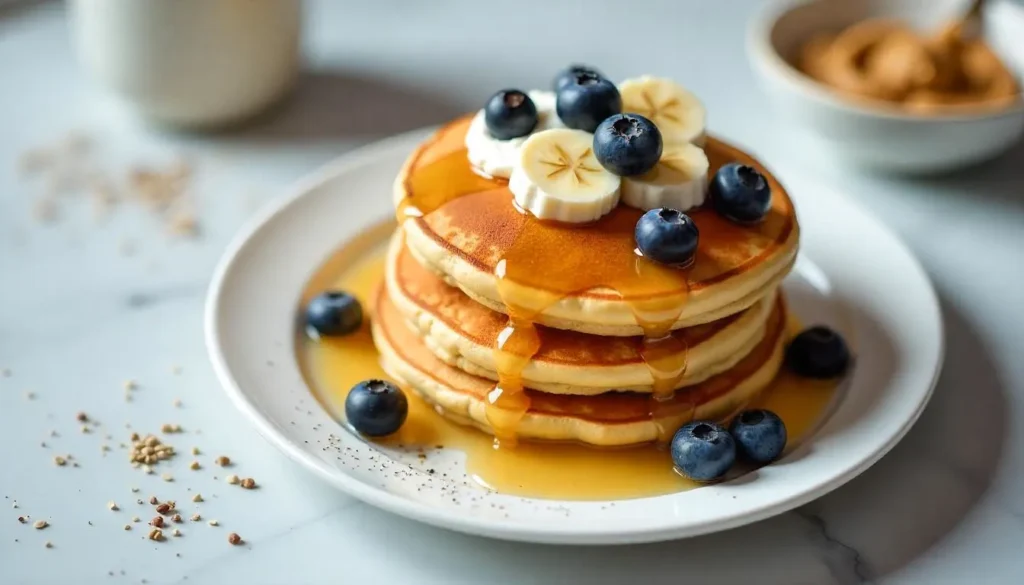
{"x": 884, "y": 59}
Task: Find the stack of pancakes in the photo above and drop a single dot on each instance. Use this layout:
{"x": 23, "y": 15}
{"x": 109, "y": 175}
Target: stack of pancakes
{"x": 623, "y": 351}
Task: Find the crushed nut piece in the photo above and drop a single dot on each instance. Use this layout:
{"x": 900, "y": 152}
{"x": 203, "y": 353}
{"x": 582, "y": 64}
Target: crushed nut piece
{"x": 40, "y": 524}
{"x": 113, "y": 506}
{"x": 167, "y": 477}
{"x": 127, "y": 526}
{"x": 60, "y": 460}
{"x": 195, "y": 450}
{"x": 176, "y": 518}
{"x": 233, "y": 538}
{"x": 153, "y": 500}
{"x": 249, "y": 483}
{"x": 157, "y": 521}
{"x": 135, "y": 490}
{"x": 176, "y": 532}
{"x": 222, "y": 461}
{"x": 164, "y": 509}
{"x": 136, "y": 519}
{"x": 196, "y": 517}
{"x": 194, "y": 466}
{"x": 213, "y": 523}
{"x": 232, "y": 479}
{"x": 156, "y": 534}
{"x": 48, "y": 544}
{"x": 86, "y": 429}
{"x": 169, "y": 428}
{"x": 197, "y": 498}
{"x": 82, "y": 417}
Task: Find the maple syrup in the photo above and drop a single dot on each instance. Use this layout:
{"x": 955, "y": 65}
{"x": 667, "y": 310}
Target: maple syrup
{"x": 542, "y": 470}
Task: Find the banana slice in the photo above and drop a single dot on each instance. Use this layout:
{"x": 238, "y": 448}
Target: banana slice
{"x": 494, "y": 157}
{"x": 676, "y": 112}
{"x": 678, "y": 181}
{"x": 558, "y": 177}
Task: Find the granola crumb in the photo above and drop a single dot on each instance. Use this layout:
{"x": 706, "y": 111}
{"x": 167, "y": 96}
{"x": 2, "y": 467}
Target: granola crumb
{"x": 233, "y": 538}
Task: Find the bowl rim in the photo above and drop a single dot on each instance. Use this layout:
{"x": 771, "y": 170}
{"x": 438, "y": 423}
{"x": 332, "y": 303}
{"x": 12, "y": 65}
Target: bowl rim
{"x": 763, "y": 53}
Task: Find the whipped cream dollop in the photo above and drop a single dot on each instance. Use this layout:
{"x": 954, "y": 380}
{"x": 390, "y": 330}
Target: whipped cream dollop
{"x": 495, "y": 157}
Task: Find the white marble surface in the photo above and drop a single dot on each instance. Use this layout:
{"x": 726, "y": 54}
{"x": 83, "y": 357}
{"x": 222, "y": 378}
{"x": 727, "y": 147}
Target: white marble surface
{"x": 77, "y": 318}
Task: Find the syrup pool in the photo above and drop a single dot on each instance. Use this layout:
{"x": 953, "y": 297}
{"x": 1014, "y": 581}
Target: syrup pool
{"x": 539, "y": 470}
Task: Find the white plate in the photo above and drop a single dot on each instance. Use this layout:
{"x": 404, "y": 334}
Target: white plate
{"x": 853, "y": 274}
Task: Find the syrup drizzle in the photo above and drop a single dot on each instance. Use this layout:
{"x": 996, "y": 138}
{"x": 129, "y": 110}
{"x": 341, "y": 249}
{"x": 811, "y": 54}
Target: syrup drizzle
{"x": 534, "y": 272}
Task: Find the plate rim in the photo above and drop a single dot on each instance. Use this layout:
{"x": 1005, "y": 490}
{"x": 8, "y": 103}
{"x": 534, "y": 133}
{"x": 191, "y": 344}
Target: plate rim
{"x": 511, "y": 529}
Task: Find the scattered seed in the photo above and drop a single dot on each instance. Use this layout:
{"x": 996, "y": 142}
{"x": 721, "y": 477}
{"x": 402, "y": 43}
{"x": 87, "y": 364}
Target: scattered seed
{"x": 233, "y": 538}
{"x": 127, "y": 526}
{"x": 48, "y": 544}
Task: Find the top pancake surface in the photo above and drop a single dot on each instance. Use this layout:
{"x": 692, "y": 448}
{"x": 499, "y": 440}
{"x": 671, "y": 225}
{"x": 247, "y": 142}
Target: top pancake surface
{"x": 476, "y": 218}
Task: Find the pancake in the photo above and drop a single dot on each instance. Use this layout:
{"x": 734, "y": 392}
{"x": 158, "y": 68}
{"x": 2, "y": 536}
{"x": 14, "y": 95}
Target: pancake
{"x": 609, "y": 419}
{"x": 583, "y": 277}
{"x": 463, "y": 333}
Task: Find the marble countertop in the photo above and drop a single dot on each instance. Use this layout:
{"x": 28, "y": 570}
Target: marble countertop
{"x": 87, "y": 305}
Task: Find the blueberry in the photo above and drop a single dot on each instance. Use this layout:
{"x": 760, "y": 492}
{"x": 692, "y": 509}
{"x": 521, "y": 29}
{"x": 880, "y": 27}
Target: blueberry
{"x": 703, "y": 450}
{"x": 586, "y": 100}
{"x": 760, "y": 435}
{"x": 667, "y": 236}
{"x": 376, "y": 408}
{"x": 509, "y": 114}
{"x": 567, "y": 75}
{"x": 627, "y": 144}
{"x": 818, "y": 352}
{"x": 334, "y": 313}
{"x": 740, "y": 193}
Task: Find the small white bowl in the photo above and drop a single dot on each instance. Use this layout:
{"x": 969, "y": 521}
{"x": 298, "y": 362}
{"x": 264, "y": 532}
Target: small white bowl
{"x": 879, "y": 136}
